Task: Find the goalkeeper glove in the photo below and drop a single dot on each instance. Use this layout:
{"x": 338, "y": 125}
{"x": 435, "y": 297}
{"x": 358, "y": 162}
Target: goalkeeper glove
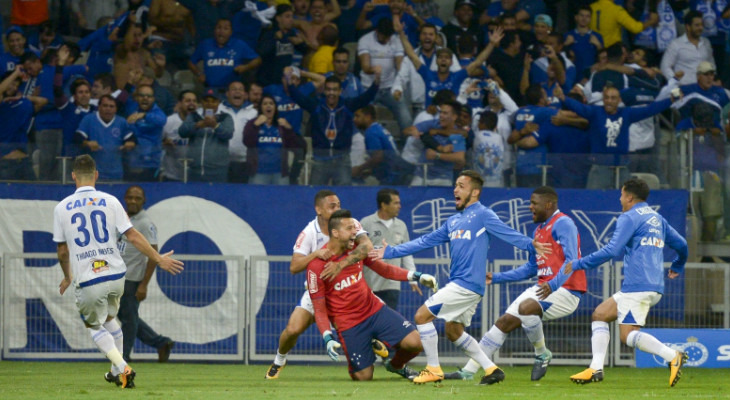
{"x": 424, "y": 279}
{"x": 332, "y": 345}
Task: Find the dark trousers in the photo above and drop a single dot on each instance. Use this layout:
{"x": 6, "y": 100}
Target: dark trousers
{"x": 390, "y": 297}
{"x": 132, "y": 325}
{"x": 237, "y": 172}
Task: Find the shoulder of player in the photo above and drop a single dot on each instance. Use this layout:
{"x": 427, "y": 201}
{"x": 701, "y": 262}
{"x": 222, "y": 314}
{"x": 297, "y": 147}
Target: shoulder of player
{"x": 316, "y": 265}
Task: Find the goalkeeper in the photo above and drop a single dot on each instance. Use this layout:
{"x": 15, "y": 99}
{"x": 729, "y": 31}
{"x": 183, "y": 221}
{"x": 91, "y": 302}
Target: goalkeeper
{"x": 359, "y": 316}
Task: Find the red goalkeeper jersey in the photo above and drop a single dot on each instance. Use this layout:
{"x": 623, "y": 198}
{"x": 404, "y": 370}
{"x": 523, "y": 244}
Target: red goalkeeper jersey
{"x": 347, "y": 299}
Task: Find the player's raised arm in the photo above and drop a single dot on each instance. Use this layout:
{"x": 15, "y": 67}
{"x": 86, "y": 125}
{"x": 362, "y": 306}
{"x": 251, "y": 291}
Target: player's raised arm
{"x": 163, "y": 260}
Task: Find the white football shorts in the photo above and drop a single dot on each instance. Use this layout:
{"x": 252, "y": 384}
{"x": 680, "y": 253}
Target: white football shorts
{"x": 97, "y": 302}
{"x": 306, "y": 302}
{"x": 559, "y": 304}
{"x": 453, "y": 303}
{"x": 633, "y": 307}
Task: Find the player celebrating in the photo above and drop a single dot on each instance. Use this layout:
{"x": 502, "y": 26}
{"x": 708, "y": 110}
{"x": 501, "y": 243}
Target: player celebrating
{"x": 358, "y": 314}
{"x": 468, "y": 233}
{"x": 90, "y": 261}
{"x": 308, "y": 247}
{"x": 561, "y": 292}
{"x": 643, "y": 233}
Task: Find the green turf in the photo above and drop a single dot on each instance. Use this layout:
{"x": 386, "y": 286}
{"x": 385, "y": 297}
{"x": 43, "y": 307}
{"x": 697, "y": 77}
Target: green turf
{"x": 83, "y": 380}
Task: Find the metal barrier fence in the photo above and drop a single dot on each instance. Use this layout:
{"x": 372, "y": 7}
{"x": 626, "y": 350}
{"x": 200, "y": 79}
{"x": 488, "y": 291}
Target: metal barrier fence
{"x": 237, "y": 308}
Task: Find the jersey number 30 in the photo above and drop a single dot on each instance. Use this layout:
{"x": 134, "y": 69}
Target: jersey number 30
{"x": 98, "y": 227}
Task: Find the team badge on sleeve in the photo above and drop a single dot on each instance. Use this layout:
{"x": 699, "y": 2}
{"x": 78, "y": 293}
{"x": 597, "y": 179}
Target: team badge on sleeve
{"x": 312, "y": 282}
{"x": 300, "y": 239}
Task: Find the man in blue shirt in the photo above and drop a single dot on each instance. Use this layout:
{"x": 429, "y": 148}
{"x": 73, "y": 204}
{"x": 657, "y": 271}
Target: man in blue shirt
{"x": 16, "y": 114}
{"x": 582, "y": 42}
{"x": 16, "y": 47}
{"x": 351, "y": 85}
{"x": 642, "y": 233}
{"x": 106, "y": 136}
{"x": 468, "y": 234}
{"x": 609, "y": 132}
{"x": 224, "y": 58}
{"x": 146, "y": 120}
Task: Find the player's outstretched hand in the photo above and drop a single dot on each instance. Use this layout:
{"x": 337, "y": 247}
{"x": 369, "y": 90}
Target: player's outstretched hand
{"x": 332, "y": 346}
{"x": 415, "y": 288}
{"x": 170, "y": 265}
{"x": 544, "y": 291}
{"x": 425, "y": 280}
{"x": 542, "y": 249}
{"x": 65, "y": 283}
{"x": 377, "y": 253}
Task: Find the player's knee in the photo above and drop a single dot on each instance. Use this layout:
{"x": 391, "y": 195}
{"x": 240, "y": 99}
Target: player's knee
{"x": 507, "y": 323}
{"x": 364, "y": 375}
{"x": 529, "y": 307}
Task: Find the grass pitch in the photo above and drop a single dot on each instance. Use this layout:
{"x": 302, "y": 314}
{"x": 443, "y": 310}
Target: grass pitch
{"x": 83, "y": 380}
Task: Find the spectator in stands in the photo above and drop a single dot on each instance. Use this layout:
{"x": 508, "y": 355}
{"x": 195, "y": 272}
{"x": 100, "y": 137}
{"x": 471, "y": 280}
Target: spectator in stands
{"x": 130, "y": 55}
{"x": 609, "y": 133}
{"x": 89, "y": 12}
{"x": 488, "y": 150}
{"x": 175, "y": 25}
{"x": 398, "y": 9}
{"x": 207, "y": 13}
{"x": 146, "y": 119}
{"x": 716, "y": 26}
{"x": 46, "y": 38}
{"x": 73, "y": 110}
{"x": 508, "y": 62}
{"x": 16, "y": 48}
{"x": 236, "y": 105}
{"x": 47, "y": 123}
{"x": 175, "y": 147}
{"x": 607, "y": 18}
{"x": 523, "y": 11}
{"x": 277, "y": 46}
{"x": 687, "y": 51}
{"x": 105, "y": 136}
{"x": 564, "y": 69}
{"x": 351, "y": 85}
{"x": 583, "y": 43}
{"x": 100, "y": 47}
{"x": 462, "y": 24}
{"x": 444, "y": 78}
{"x": 384, "y": 224}
{"x": 255, "y": 93}
{"x": 208, "y": 132}
{"x": 250, "y": 20}
{"x": 104, "y": 83}
{"x": 163, "y": 98}
{"x": 383, "y": 162}
{"x": 451, "y": 147}
{"x": 708, "y": 155}
{"x": 224, "y": 59}
{"x": 268, "y": 140}
{"x": 16, "y": 112}
{"x": 288, "y": 108}
{"x": 321, "y": 60}
{"x": 321, "y": 17}
{"x": 301, "y": 10}
{"x": 332, "y": 129}
{"x": 29, "y": 14}
{"x": 382, "y": 51}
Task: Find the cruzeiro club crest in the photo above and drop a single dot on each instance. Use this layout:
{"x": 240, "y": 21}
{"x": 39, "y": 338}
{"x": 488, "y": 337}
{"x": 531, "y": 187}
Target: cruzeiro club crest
{"x": 697, "y": 352}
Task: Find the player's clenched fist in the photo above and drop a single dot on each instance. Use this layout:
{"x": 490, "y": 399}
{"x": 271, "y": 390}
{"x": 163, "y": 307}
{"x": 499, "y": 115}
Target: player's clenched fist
{"x": 332, "y": 345}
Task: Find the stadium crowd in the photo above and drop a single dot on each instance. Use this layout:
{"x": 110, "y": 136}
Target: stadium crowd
{"x": 379, "y": 91}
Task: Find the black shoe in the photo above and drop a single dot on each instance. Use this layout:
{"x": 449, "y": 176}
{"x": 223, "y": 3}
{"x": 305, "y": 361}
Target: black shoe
{"x": 127, "y": 378}
{"x": 496, "y": 376}
{"x": 540, "y": 366}
{"x": 406, "y": 371}
{"x": 112, "y": 378}
{"x": 163, "y": 352}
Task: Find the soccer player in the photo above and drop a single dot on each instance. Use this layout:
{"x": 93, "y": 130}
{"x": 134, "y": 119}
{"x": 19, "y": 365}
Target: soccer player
{"x": 308, "y": 247}
{"x": 561, "y": 292}
{"x": 90, "y": 261}
{"x": 359, "y": 315}
{"x": 643, "y": 233}
{"x": 468, "y": 234}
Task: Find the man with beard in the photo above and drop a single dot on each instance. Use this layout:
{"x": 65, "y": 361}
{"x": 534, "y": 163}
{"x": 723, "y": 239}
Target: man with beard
{"x": 235, "y": 105}
{"x": 468, "y": 233}
{"x": 176, "y": 148}
{"x": 555, "y": 295}
{"x": 146, "y": 120}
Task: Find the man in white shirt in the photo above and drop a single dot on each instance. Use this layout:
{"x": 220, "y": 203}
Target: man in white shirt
{"x": 176, "y": 148}
{"x": 382, "y": 49}
{"x": 687, "y": 51}
{"x": 234, "y": 105}
{"x": 91, "y": 262}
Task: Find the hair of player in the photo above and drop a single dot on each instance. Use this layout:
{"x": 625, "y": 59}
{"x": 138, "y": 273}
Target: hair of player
{"x": 476, "y": 180}
{"x": 78, "y": 83}
{"x": 443, "y": 96}
{"x": 340, "y": 50}
{"x": 455, "y": 106}
{"x": 321, "y": 195}
{"x": 333, "y": 79}
{"x": 691, "y": 15}
{"x": 547, "y": 192}
{"x": 637, "y": 187}
{"x": 336, "y": 219}
{"x": 385, "y": 196}
{"x": 144, "y": 195}
{"x": 385, "y": 27}
{"x": 533, "y": 94}
{"x": 368, "y": 110}
{"x": 488, "y": 120}
{"x": 84, "y": 166}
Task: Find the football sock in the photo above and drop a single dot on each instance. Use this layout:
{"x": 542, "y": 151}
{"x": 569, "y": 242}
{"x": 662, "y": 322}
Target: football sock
{"x": 649, "y": 344}
{"x": 599, "y": 343}
{"x": 105, "y": 342}
{"x": 492, "y": 341}
{"x": 280, "y": 359}
{"x": 532, "y": 324}
{"x": 401, "y": 358}
{"x": 115, "y": 330}
{"x": 430, "y": 341}
{"x": 470, "y": 346}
